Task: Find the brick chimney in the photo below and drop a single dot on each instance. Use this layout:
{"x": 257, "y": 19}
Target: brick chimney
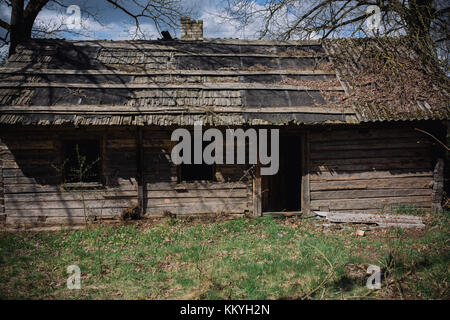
{"x": 191, "y": 29}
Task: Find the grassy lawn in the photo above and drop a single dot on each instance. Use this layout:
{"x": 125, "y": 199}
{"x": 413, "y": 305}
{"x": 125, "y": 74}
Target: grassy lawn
{"x": 265, "y": 258}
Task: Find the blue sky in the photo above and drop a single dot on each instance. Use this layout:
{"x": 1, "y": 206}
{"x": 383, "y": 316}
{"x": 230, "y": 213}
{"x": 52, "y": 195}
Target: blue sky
{"x": 115, "y": 25}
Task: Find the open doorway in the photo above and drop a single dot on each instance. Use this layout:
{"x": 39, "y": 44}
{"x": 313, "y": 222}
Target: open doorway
{"x": 282, "y": 192}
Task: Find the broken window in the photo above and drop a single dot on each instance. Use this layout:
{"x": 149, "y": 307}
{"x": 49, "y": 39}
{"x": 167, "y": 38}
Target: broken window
{"x": 81, "y": 161}
{"x": 196, "y": 172}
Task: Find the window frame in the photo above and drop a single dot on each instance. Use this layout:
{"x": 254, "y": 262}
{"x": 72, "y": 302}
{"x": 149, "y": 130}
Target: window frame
{"x": 179, "y": 174}
{"x": 84, "y": 185}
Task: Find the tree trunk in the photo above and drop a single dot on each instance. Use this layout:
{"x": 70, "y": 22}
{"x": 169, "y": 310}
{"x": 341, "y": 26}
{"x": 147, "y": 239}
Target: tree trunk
{"x": 22, "y": 21}
{"x": 17, "y": 28}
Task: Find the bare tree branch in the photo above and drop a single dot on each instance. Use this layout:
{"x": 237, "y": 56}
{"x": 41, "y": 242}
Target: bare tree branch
{"x": 24, "y": 23}
{"x": 424, "y": 22}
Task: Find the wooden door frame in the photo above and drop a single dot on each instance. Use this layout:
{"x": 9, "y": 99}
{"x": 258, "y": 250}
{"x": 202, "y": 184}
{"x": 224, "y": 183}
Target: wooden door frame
{"x": 305, "y": 182}
{"x": 305, "y": 187}
{"x": 141, "y": 190}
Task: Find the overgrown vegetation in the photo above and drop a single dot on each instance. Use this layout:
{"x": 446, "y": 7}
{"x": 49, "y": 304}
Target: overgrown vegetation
{"x": 408, "y": 209}
{"x": 75, "y": 176}
{"x": 263, "y": 258}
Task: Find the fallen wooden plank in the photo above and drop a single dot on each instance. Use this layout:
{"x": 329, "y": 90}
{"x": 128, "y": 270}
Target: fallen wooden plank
{"x": 401, "y": 225}
{"x": 382, "y": 220}
{"x": 364, "y": 217}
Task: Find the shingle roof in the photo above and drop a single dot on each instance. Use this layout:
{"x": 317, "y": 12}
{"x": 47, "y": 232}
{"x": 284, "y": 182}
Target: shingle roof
{"x": 386, "y": 80}
{"x": 229, "y": 82}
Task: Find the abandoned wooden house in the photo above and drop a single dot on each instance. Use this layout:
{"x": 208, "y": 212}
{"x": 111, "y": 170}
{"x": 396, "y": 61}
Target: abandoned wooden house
{"x": 357, "y": 126}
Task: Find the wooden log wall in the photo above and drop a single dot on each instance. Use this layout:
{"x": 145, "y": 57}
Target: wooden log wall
{"x": 370, "y": 170}
{"x": 3, "y": 150}
{"x": 33, "y": 192}
{"x": 32, "y": 184}
{"x": 230, "y": 193}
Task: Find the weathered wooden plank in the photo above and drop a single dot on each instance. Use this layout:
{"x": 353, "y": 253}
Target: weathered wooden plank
{"x": 201, "y": 193}
{"x": 2, "y": 193}
{"x": 357, "y": 194}
{"x": 34, "y": 172}
{"x": 113, "y": 144}
{"x": 306, "y": 173}
{"x": 140, "y": 177}
{"x": 31, "y": 188}
{"x": 184, "y": 87}
{"x": 371, "y": 184}
{"x": 386, "y": 210}
{"x": 372, "y": 203}
{"x": 31, "y": 180}
{"x": 367, "y": 144}
{"x": 160, "y": 186}
{"x": 67, "y": 212}
{"x": 394, "y": 173}
{"x": 257, "y": 192}
{"x": 395, "y": 162}
{"x": 370, "y": 133}
{"x": 35, "y": 188}
{"x": 29, "y": 221}
{"x": 53, "y": 132}
{"x": 25, "y": 154}
{"x": 195, "y": 208}
{"x": 407, "y": 165}
{"x": 63, "y": 196}
{"x": 67, "y": 204}
{"x": 438, "y": 187}
{"x": 25, "y": 164}
{"x": 26, "y": 144}
{"x": 148, "y": 73}
{"x": 384, "y": 220}
{"x": 401, "y": 225}
{"x": 157, "y": 202}
{"x": 371, "y": 218}
{"x": 362, "y": 154}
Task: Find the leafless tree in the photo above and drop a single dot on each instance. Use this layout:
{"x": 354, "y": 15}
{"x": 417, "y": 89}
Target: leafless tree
{"x": 23, "y": 24}
{"x": 424, "y": 22}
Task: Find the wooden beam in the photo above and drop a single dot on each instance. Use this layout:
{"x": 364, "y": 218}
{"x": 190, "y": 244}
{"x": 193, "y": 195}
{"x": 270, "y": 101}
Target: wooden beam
{"x": 188, "y": 86}
{"x": 110, "y": 109}
{"x": 3, "y": 149}
{"x": 438, "y": 185}
{"x": 187, "y": 73}
{"x": 140, "y": 170}
{"x": 283, "y": 214}
{"x": 306, "y": 194}
{"x": 257, "y": 199}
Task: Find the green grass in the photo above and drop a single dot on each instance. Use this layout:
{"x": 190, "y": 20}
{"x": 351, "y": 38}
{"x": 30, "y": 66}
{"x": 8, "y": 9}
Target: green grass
{"x": 263, "y": 258}
{"x": 408, "y": 209}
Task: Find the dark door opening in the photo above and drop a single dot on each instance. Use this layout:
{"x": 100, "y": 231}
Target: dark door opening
{"x": 282, "y": 192}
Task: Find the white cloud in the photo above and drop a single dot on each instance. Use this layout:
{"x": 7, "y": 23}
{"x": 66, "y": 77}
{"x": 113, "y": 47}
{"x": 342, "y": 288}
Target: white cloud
{"x": 146, "y": 31}
{"x": 93, "y": 29}
{"x": 217, "y": 24}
